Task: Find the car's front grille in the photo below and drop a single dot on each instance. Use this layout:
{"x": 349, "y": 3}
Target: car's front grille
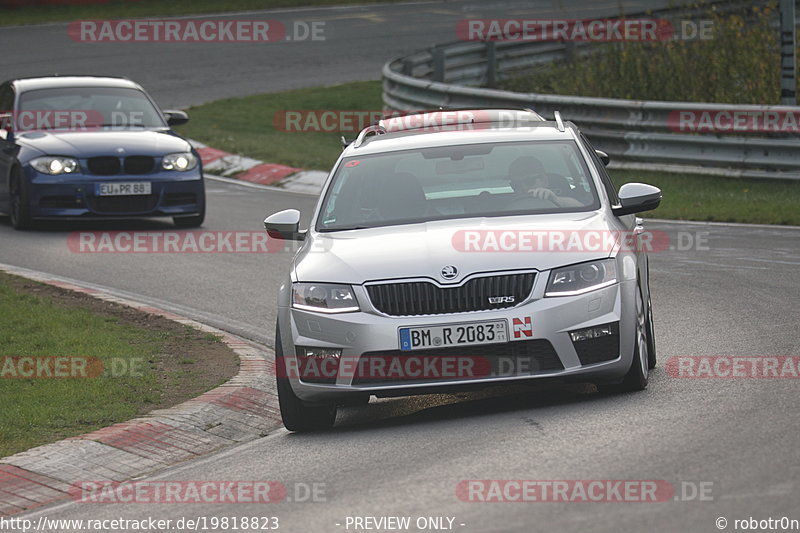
{"x": 599, "y": 349}
{"x": 426, "y": 298}
{"x": 510, "y": 359}
{"x": 104, "y": 165}
{"x": 111, "y": 166}
{"x": 139, "y": 164}
{"x": 122, "y": 204}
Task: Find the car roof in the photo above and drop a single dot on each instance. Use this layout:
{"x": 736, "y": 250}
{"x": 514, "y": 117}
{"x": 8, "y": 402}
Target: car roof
{"x": 50, "y": 82}
{"x": 391, "y": 135}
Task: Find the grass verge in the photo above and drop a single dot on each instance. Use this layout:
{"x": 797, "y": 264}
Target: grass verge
{"x": 738, "y": 62}
{"x": 719, "y": 199}
{"x": 17, "y": 12}
{"x": 139, "y": 362}
{"x": 245, "y": 126}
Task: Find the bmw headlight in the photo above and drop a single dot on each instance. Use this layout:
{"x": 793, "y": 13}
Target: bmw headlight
{"x": 581, "y": 278}
{"x": 324, "y": 298}
{"x": 55, "y": 165}
{"x": 181, "y": 162}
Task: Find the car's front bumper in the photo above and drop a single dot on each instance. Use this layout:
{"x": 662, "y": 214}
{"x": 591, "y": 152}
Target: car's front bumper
{"x": 74, "y": 196}
{"x": 548, "y": 352}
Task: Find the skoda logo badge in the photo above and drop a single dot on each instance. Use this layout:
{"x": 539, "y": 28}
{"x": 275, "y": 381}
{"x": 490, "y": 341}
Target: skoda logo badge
{"x": 449, "y": 272}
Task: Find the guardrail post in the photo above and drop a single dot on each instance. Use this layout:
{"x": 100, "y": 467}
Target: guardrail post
{"x": 491, "y": 63}
{"x": 788, "y": 74}
{"x": 438, "y": 63}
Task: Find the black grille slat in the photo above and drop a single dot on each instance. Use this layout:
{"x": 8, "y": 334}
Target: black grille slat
{"x": 139, "y": 164}
{"x": 122, "y": 204}
{"x": 104, "y": 165}
{"x": 533, "y": 357}
{"x": 425, "y": 298}
{"x": 180, "y": 198}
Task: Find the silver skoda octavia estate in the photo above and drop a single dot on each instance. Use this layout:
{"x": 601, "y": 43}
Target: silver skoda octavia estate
{"x": 463, "y": 249}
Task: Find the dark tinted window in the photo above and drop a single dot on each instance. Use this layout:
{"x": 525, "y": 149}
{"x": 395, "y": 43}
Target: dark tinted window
{"x": 103, "y": 106}
{"x": 474, "y": 180}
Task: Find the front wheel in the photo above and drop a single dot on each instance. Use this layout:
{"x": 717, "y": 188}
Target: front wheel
{"x": 194, "y": 221}
{"x": 20, "y": 204}
{"x": 296, "y": 415}
{"x": 651, "y": 336}
{"x": 637, "y": 377}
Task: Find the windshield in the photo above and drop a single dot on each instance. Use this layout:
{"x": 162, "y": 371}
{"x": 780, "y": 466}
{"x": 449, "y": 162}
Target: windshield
{"x": 117, "y": 107}
{"x": 463, "y": 181}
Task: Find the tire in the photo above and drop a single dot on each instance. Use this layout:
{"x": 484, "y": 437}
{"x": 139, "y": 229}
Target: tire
{"x": 193, "y": 221}
{"x": 20, "y": 204}
{"x": 637, "y": 377}
{"x": 651, "y": 336}
{"x": 296, "y": 415}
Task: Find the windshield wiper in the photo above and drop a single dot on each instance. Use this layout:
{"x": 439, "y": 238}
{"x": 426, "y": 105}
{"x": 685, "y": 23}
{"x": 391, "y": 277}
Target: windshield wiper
{"x": 346, "y": 228}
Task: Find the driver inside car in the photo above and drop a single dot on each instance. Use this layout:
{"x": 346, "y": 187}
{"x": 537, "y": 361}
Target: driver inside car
{"x": 528, "y": 177}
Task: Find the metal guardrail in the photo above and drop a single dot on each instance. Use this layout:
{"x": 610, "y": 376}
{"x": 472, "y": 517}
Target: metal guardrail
{"x": 636, "y": 134}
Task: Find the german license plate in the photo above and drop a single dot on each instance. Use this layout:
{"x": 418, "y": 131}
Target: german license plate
{"x": 122, "y": 188}
{"x": 489, "y": 332}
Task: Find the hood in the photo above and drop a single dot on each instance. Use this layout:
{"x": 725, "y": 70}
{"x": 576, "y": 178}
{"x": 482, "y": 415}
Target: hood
{"x": 470, "y": 245}
{"x": 94, "y": 143}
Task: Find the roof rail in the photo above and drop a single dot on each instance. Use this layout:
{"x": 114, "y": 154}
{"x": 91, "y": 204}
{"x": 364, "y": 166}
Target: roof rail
{"x": 457, "y": 117}
{"x": 377, "y": 129}
{"x": 559, "y": 122}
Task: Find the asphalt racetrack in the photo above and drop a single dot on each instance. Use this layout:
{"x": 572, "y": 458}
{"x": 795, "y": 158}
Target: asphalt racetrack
{"x": 728, "y": 447}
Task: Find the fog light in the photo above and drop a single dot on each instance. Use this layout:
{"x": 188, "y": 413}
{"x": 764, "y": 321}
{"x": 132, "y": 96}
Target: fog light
{"x": 322, "y": 353}
{"x": 318, "y": 365}
{"x": 591, "y": 333}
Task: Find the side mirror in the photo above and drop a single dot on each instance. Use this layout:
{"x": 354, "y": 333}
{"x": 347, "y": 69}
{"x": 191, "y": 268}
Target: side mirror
{"x": 603, "y": 157}
{"x": 176, "y": 118}
{"x": 637, "y": 197}
{"x": 285, "y": 225}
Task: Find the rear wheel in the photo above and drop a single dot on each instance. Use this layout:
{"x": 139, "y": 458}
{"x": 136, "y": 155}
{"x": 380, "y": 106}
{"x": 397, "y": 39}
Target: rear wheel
{"x": 20, "y": 204}
{"x": 296, "y": 415}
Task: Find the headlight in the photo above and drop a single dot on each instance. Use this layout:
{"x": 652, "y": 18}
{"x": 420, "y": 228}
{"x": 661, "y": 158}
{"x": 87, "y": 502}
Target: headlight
{"x": 55, "y": 165}
{"x": 181, "y": 162}
{"x": 324, "y": 298}
{"x": 581, "y": 278}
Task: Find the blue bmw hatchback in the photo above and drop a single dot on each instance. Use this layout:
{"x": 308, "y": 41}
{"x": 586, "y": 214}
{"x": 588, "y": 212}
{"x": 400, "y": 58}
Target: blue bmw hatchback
{"x": 77, "y": 147}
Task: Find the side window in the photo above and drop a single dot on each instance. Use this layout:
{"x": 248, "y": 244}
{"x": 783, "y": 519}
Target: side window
{"x": 611, "y": 191}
